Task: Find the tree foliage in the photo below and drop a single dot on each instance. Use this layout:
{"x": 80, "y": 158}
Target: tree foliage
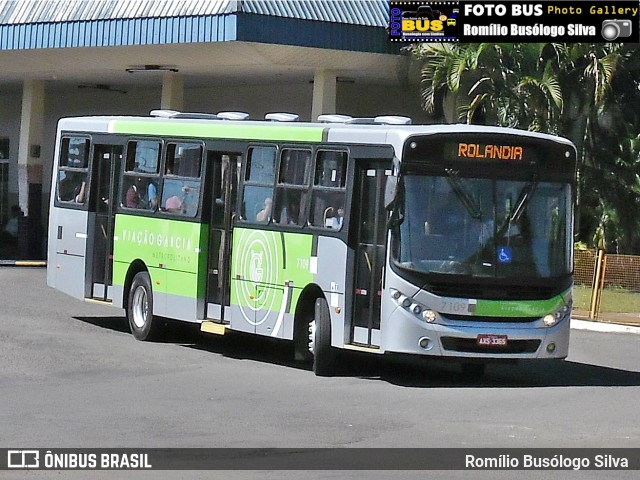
{"x": 589, "y": 93}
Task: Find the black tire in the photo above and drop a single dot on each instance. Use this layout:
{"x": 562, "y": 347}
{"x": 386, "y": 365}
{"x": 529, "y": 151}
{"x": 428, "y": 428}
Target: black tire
{"x": 140, "y": 308}
{"x": 301, "y": 346}
{"x": 324, "y": 356}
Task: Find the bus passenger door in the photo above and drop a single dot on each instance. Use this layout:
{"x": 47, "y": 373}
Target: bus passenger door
{"x": 103, "y": 193}
{"x": 224, "y": 181}
{"x": 370, "y": 231}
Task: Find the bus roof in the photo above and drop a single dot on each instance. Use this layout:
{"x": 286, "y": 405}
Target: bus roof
{"x": 256, "y": 130}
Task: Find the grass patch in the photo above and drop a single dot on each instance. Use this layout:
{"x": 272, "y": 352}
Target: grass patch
{"x": 614, "y": 300}
{"x": 581, "y": 297}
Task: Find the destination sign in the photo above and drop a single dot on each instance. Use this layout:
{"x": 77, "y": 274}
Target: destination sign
{"x": 490, "y": 152}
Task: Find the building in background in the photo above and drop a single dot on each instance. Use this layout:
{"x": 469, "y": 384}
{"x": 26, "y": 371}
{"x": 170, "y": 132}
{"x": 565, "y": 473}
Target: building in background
{"x": 62, "y": 58}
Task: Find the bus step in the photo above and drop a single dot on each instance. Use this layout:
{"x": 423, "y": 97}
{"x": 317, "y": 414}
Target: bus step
{"x": 362, "y": 348}
{"x": 99, "y": 301}
{"x": 213, "y": 327}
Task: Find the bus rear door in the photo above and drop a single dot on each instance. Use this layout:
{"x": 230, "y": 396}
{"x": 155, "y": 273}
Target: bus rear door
{"x": 104, "y": 191}
{"x": 224, "y": 182}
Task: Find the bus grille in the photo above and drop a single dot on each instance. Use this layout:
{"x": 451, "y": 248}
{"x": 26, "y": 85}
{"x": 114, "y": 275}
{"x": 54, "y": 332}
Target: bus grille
{"x": 471, "y": 318}
{"x": 503, "y": 293}
{"x": 469, "y": 345}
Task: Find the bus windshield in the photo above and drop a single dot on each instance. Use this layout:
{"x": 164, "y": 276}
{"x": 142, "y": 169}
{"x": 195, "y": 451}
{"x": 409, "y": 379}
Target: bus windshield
{"x": 485, "y": 227}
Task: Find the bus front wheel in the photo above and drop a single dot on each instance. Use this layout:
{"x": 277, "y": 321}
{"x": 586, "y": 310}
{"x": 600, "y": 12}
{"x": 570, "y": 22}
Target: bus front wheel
{"x": 140, "y": 308}
{"x": 324, "y": 355}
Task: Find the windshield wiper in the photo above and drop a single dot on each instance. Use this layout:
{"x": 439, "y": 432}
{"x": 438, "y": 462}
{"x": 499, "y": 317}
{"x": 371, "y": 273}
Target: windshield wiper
{"x": 523, "y": 200}
{"x": 463, "y": 194}
{"x": 520, "y": 207}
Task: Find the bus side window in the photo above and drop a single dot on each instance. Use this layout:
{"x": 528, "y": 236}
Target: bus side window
{"x": 292, "y": 187}
{"x": 142, "y": 175}
{"x": 73, "y": 170}
{"x": 183, "y": 160}
{"x": 181, "y": 181}
{"x": 257, "y": 194}
{"x": 143, "y": 156}
{"x": 328, "y": 193}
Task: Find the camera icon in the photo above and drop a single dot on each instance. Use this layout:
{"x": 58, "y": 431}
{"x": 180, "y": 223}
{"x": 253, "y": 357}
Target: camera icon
{"x": 612, "y": 29}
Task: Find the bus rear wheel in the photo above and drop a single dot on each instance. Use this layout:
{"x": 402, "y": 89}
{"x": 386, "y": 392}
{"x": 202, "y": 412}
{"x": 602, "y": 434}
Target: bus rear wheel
{"x": 324, "y": 355}
{"x": 140, "y": 308}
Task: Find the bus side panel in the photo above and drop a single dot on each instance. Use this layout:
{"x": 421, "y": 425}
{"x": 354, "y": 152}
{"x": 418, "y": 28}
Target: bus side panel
{"x": 331, "y": 260}
{"x": 67, "y": 251}
{"x": 174, "y": 254}
{"x": 269, "y": 270}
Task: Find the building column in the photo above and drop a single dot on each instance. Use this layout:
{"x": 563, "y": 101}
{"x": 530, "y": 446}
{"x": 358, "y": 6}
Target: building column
{"x": 172, "y": 92}
{"x": 30, "y": 167}
{"x": 324, "y": 93}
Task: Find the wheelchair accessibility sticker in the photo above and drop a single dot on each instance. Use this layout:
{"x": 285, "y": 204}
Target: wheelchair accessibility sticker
{"x": 504, "y": 255}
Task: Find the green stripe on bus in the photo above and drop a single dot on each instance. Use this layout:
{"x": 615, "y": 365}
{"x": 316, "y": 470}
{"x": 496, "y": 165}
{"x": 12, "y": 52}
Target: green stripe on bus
{"x": 217, "y": 130}
{"x": 173, "y": 251}
{"x": 519, "y": 308}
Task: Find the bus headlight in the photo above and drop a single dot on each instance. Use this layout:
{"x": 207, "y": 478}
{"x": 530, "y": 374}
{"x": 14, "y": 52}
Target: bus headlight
{"x": 404, "y": 301}
{"x": 551, "y": 319}
{"x": 429, "y": 316}
{"x": 563, "y": 312}
{"x": 410, "y": 305}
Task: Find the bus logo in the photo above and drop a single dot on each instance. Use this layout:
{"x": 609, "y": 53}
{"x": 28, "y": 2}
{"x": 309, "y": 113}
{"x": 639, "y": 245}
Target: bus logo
{"x": 255, "y": 267}
{"x": 258, "y": 262}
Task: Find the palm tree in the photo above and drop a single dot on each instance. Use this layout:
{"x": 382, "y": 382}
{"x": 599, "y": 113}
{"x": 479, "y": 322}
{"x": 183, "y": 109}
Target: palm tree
{"x": 502, "y": 82}
{"x": 586, "y": 92}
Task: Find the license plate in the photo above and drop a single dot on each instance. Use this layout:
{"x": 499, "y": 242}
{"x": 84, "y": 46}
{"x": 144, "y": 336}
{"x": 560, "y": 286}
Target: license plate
{"x": 486, "y": 340}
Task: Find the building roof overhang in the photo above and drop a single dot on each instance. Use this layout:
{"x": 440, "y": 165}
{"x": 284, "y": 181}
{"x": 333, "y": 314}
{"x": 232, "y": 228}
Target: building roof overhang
{"x": 216, "y": 41}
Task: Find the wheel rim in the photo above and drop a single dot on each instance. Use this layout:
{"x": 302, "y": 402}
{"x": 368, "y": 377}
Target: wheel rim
{"x": 140, "y": 307}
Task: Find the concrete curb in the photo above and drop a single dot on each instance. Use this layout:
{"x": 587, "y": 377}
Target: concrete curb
{"x": 603, "y": 327}
{"x": 23, "y": 263}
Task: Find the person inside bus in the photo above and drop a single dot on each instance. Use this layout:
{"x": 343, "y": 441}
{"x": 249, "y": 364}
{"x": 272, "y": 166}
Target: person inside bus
{"x": 71, "y": 184}
{"x": 132, "y": 197}
{"x": 174, "y": 205}
{"x": 264, "y": 214}
{"x": 290, "y": 214}
{"x": 152, "y": 196}
{"x": 79, "y": 194}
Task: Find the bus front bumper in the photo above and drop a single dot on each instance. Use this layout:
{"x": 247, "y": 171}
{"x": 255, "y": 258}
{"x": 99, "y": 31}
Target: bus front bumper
{"x": 474, "y": 338}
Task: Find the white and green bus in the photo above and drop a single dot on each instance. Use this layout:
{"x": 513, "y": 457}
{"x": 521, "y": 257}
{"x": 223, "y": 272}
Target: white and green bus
{"x": 362, "y": 234}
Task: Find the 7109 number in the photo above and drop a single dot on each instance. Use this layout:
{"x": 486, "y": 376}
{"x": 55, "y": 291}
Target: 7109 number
{"x": 454, "y": 307}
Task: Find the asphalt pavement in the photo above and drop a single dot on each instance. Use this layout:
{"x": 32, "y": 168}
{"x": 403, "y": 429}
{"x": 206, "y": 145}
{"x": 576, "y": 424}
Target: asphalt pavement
{"x": 71, "y": 375}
